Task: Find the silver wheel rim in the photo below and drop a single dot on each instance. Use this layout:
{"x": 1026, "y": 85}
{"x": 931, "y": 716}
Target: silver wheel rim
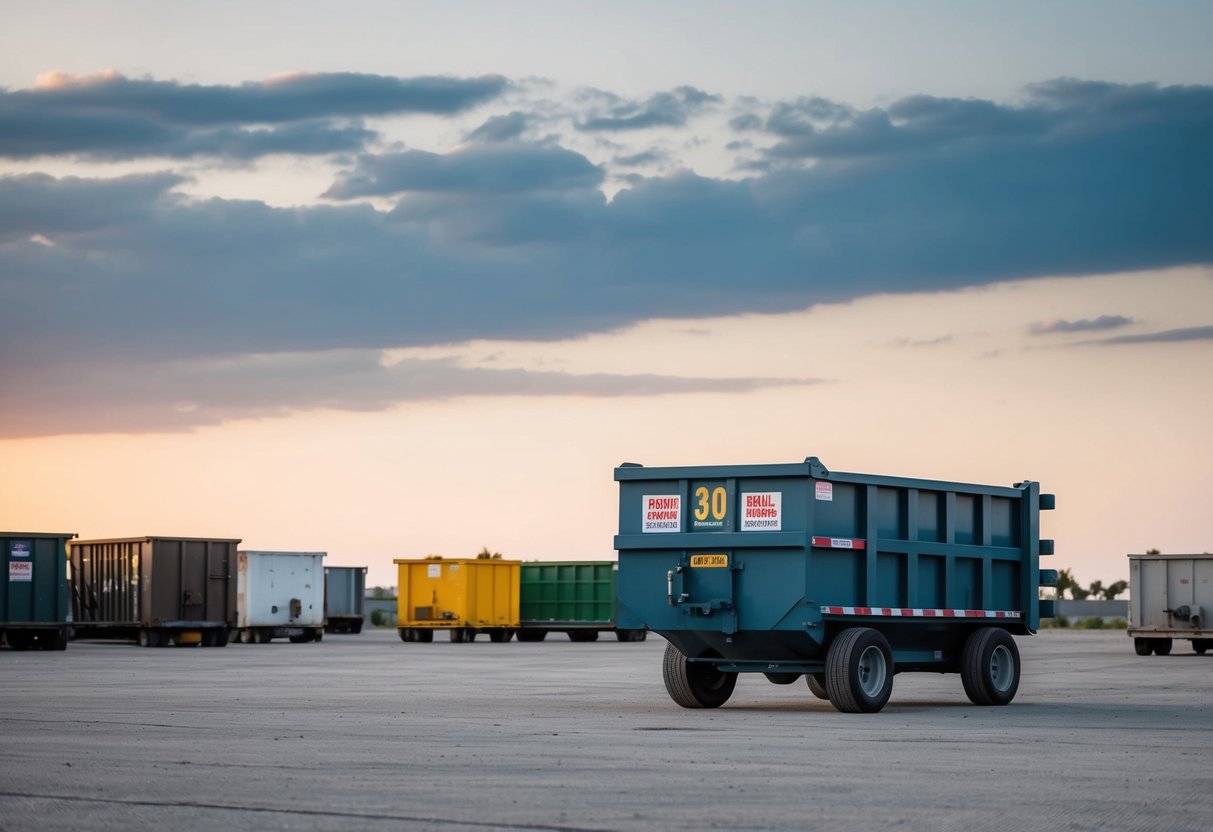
{"x": 872, "y": 670}
{"x": 1002, "y": 668}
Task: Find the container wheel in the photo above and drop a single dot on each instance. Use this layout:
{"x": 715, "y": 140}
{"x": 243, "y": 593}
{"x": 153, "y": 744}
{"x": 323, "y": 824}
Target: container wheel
{"x": 423, "y": 636}
{"x": 859, "y": 671}
{"x": 817, "y": 684}
{"x": 1200, "y": 645}
{"x": 1162, "y": 646}
{"x": 222, "y": 636}
{"x": 261, "y": 635}
{"x": 695, "y": 684}
{"x": 54, "y": 639}
{"x": 318, "y": 635}
{"x": 356, "y": 627}
{"x": 150, "y": 637}
{"x": 18, "y": 639}
{"x": 456, "y": 635}
{"x": 583, "y": 635}
{"x": 631, "y": 635}
{"x": 499, "y": 635}
{"x": 1143, "y": 646}
{"x": 532, "y": 635}
{"x": 782, "y": 678}
{"x": 405, "y": 633}
{"x": 989, "y": 667}
{"x": 302, "y": 638}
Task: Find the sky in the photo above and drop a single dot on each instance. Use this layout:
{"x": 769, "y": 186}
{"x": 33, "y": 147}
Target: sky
{"x": 396, "y": 279}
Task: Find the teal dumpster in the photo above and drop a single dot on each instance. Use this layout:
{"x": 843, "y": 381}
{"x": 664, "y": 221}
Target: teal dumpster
{"x": 34, "y": 607}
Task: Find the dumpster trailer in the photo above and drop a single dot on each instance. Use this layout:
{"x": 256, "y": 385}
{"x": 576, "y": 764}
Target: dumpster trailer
{"x": 1170, "y": 597}
{"x": 844, "y": 579}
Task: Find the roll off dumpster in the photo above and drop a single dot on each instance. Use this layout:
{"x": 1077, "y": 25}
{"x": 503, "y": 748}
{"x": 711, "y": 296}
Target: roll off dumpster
{"x": 34, "y": 609}
{"x": 1170, "y": 597}
{"x": 344, "y": 591}
{"x": 464, "y": 596}
{"x": 845, "y": 579}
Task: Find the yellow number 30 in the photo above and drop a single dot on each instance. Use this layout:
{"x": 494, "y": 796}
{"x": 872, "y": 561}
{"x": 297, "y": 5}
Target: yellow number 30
{"x": 717, "y": 505}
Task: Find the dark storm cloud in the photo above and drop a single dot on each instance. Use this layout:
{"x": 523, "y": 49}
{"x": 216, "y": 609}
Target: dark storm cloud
{"x": 516, "y": 241}
{"x": 501, "y": 128}
{"x": 113, "y": 117}
{"x": 665, "y": 109}
{"x": 1169, "y": 336}
{"x": 476, "y": 169}
{"x": 181, "y": 395}
{"x": 1094, "y": 324}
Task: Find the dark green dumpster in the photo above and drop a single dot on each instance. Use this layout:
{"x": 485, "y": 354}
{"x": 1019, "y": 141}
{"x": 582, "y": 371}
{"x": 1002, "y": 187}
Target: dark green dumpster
{"x": 573, "y": 597}
{"x": 34, "y": 610}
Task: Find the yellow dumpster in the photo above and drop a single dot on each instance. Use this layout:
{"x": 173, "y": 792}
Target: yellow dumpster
{"x": 464, "y": 596}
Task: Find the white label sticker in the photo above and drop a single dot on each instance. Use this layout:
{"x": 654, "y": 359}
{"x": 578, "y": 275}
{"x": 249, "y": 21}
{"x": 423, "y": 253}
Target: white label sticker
{"x": 19, "y": 549}
{"x": 662, "y": 512}
{"x": 825, "y": 491}
{"x": 841, "y": 543}
{"x": 762, "y": 511}
{"x": 434, "y": 570}
{"x": 20, "y": 570}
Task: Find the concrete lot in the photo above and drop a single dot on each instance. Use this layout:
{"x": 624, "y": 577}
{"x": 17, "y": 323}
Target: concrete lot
{"x": 365, "y": 732}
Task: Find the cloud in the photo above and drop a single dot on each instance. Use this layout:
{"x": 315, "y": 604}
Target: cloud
{"x": 646, "y": 157}
{"x": 514, "y": 240}
{"x": 174, "y": 396}
{"x": 475, "y": 169}
{"x": 501, "y": 128}
{"x": 1169, "y": 336}
{"x": 1056, "y": 325}
{"x": 110, "y": 117}
{"x": 665, "y": 109}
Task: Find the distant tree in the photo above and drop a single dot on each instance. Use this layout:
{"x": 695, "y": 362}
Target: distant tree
{"x": 433, "y": 557}
{"x": 382, "y": 592}
{"x": 1113, "y": 589}
{"x": 1096, "y": 589}
{"x": 1066, "y": 583}
{"x": 485, "y": 554}
{"x": 1153, "y": 552}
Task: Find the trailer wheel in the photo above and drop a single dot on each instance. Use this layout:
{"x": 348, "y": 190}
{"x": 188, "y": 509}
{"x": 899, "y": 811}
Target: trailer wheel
{"x": 782, "y": 678}
{"x": 456, "y": 635}
{"x": 1200, "y": 645}
{"x": 583, "y": 635}
{"x": 222, "y": 637}
{"x": 859, "y": 671}
{"x": 817, "y": 684}
{"x": 55, "y": 639}
{"x": 423, "y": 636}
{"x": 357, "y": 627}
{"x": 989, "y": 667}
{"x": 262, "y": 635}
{"x": 529, "y": 634}
{"x": 695, "y": 684}
{"x": 18, "y": 639}
{"x": 1143, "y": 646}
{"x": 1162, "y": 646}
{"x": 631, "y": 635}
{"x": 499, "y": 635}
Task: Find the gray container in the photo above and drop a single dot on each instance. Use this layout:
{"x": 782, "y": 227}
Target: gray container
{"x": 154, "y": 589}
{"x": 344, "y": 593}
{"x": 33, "y": 601}
{"x": 1170, "y": 597}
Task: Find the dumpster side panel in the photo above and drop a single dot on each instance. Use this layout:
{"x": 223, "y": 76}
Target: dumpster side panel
{"x": 34, "y": 569}
{"x": 457, "y": 593}
{"x": 1162, "y": 586}
{"x": 572, "y": 592}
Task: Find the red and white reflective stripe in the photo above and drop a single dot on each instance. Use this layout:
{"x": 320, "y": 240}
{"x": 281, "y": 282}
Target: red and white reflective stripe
{"x": 838, "y": 542}
{"x": 904, "y": 612}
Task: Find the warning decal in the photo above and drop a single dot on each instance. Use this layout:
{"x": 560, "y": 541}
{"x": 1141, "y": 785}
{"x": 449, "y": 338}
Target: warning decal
{"x": 433, "y": 570}
{"x": 20, "y": 570}
{"x": 662, "y": 512}
{"x": 825, "y": 491}
{"x": 762, "y": 511}
{"x": 19, "y": 549}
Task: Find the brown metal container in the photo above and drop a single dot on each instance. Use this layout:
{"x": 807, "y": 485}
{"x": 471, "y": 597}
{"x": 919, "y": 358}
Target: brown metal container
{"x": 154, "y": 589}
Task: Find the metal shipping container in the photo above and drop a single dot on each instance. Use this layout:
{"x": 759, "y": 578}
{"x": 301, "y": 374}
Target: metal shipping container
{"x": 279, "y": 595}
{"x": 34, "y": 609}
{"x": 573, "y": 597}
{"x": 154, "y": 589}
{"x": 1170, "y": 597}
{"x": 464, "y": 596}
{"x": 344, "y": 594}
{"x": 846, "y": 579}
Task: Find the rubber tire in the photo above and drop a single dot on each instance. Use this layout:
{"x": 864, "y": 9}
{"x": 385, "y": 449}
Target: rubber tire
{"x": 1162, "y": 646}
{"x": 1143, "y": 646}
{"x": 817, "y": 685}
{"x": 782, "y": 678}
{"x": 19, "y": 639}
{"x": 423, "y": 636}
{"x": 456, "y": 635}
{"x": 54, "y": 640}
{"x": 222, "y": 636}
{"x": 631, "y": 635}
{"x": 406, "y": 634}
{"x": 318, "y": 635}
{"x": 694, "y": 685}
{"x": 844, "y": 671}
{"x": 261, "y": 636}
{"x": 357, "y": 627}
{"x": 583, "y": 635}
{"x": 982, "y": 649}
{"x": 532, "y": 635}
{"x": 1200, "y": 645}
{"x": 499, "y": 635}
{"x": 300, "y": 639}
